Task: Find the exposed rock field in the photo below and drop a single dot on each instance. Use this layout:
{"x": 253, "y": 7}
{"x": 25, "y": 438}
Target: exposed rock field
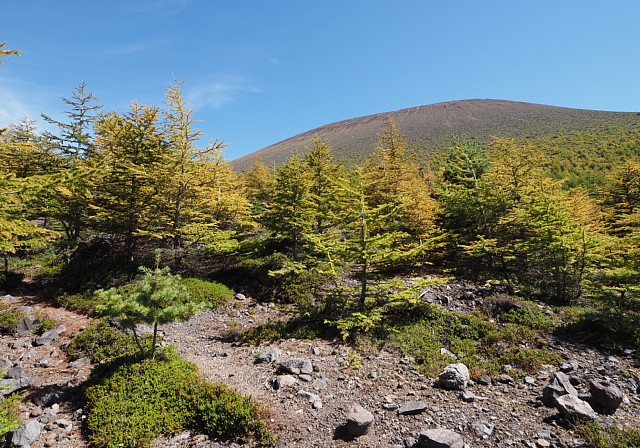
{"x": 310, "y": 388}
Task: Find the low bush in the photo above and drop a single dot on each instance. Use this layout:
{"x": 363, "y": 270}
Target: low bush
{"x": 9, "y": 413}
{"x": 9, "y": 320}
{"x": 216, "y": 294}
{"x": 131, "y": 404}
{"x": 597, "y": 436}
{"x": 103, "y": 342}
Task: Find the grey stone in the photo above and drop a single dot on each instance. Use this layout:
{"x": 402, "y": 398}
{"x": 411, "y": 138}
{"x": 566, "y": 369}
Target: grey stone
{"x": 483, "y": 429}
{"x": 606, "y": 395}
{"x": 312, "y": 398}
{"x": 26, "y": 326}
{"x": 296, "y": 366}
{"x": 319, "y": 384}
{"x": 569, "y": 366}
{"x": 305, "y": 378}
{"x": 454, "y": 376}
{"x": 240, "y": 297}
{"x": 359, "y": 421}
{"x": 558, "y": 386}
{"x": 80, "y": 363}
{"x": 412, "y": 408}
{"x": 484, "y": 379}
{"x": 467, "y": 397}
{"x": 283, "y": 381}
{"x": 505, "y": 379}
{"x": 27, "y": 433}
{"x": 529, "y": 380}
{"x": 15, "y": 379}
{"x": 574, "y": 408}
{"x": 5, "y": 364}
{"x": 49, "y": 336}
{"x": 440, "y": 438}
{"x": 269, "y": 356}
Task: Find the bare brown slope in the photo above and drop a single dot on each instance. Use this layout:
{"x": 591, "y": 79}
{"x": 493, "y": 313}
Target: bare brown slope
{"x": 430, "y": 128}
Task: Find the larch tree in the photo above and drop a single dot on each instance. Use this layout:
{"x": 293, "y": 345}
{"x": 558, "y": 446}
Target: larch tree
{"x": 133, "y": 151}
{"x": 69, "y": 201}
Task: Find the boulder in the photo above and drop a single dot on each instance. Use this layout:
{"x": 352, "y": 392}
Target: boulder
{"x": 283, "y": 381}
{"x": 296, "y": 366}
{"x": 26, "y": 434}
{"x": 574, "y": 408}
{"x": 440, "y": 438}
{"x": 412, "y": 408}
{"x": 359, "y": 421}
{"x": 606, "y": 395}
{"x": 454, "y": 376}
{"x": 558, "y": 386}
{"x": 49, "y": 336}
{"x": 269, "y": 356}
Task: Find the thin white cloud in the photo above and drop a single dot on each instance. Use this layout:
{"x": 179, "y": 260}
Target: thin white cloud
{"x": 12, "y": 108}
{"x": 133, "y": 48}
{"x": 219, "y": 92}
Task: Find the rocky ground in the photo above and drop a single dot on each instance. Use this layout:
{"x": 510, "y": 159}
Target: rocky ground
{"x": 310, "y": 387}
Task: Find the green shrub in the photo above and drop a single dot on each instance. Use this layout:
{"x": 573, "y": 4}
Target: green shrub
{"x": 103, "y": 342}
{"x": 133, "y": 403}
{"x": 597, "y": 436}
{"x": 216, "y": 294}
{"x": 44, "y": 323}
{"x": 9, "y": 320}
{"x": 9, "y": 413}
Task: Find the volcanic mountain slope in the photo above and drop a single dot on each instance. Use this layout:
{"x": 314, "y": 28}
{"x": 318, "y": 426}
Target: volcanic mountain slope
{"x": 430, "y": 128}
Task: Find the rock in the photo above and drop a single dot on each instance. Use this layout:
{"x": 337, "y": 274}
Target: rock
{"x": 26, "y": 326}
{"x": 574, "y": 408}
{"x": 445, "y": 352}
{"x": 5, "y": 364}
{"x": 529, "y": 380}
{"x": 505, "y": 379}
{"x": 283, "y": 381}
{"x": 440, "y": 438}
{"x": 314, "y": 351}
{"x": 319, "y": 384}
{"x": 372, "y": 375}
{"x": 558, "y": 386}
{"x": 296, "y": 366}
{"x": 567, "y": 367}
{"x": 606, "y": 395}
{"x": 80, "y": 363}
{"x": 15, "y": 379}
{"x": 542, "y": 443}
{"x": 467, "y": 396}
{"x": 359, "y": 421}
{"x": 454, "y": 376}
{"x": 240, "y": 297}
{"x": 412, "y": 408}
{"x": 27, "y": 433}
{"x": 268, "y": 357}
{"x": 305, "y": 378}
{"x": 44, "y": 361}
{"x": 484, "y": 379}
{"x": 49, "y": 336}
{"x": 311, "y": 398}
{"x": 483, "y": 429}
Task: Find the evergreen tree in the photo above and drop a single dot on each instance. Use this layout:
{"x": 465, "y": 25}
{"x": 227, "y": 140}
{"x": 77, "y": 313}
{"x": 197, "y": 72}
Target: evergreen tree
{"x": 132, "y": 149}
{"x": 290, "y": 212}
{"x": 69, "y": 201}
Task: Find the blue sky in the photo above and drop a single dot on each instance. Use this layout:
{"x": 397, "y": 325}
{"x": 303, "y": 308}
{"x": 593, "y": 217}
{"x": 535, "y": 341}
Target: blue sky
{"x": 260, "y": 71}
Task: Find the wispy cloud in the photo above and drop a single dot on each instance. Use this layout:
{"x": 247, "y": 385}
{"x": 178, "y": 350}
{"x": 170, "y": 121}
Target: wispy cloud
{"x": 12, "y": 108}
{"x": 219, "y": 92}
{"x": 133, "y": 48}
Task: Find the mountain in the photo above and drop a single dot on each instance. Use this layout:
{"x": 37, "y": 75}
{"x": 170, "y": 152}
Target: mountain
{"x": 430, "y": 128}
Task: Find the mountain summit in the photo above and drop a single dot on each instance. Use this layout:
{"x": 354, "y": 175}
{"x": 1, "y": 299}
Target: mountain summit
{"x": 430, "y": 128}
